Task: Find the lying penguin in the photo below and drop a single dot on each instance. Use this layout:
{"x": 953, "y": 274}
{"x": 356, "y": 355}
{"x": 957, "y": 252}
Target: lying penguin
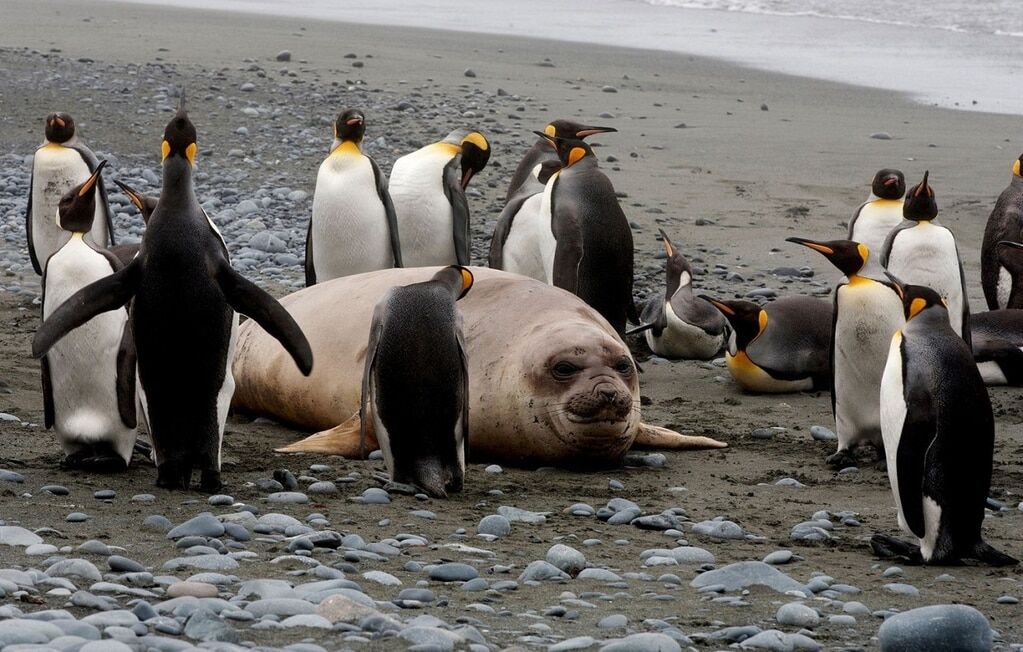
{"x": 681, "y": 325}
{"x": 415, "y": 386}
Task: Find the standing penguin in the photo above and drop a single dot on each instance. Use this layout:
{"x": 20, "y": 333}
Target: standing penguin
{"x": 145, "y": 205}
{"x": 882, "y": 212}
{"x": 681, "y": 325}
{"x": 592, "y": 255}
{"x": 60, "y": 164}
{"x": 184, "y": 294}
{"x": 428, "y": 190}
{"x": 353, "y": 228}
{"x": 92, "y": 413}
{"x": 522, "y": 234}
{"x": 939, "y": 436}
{"x": 543, "y": 150}
{"x": 781, "y": 347}
{"x": 1004, "y": 223}
{"x": 921, "y": 252}
{"x": 867, "y": 313}
{"x": 415, "y": 386}
{"x": 1010, "y": 274}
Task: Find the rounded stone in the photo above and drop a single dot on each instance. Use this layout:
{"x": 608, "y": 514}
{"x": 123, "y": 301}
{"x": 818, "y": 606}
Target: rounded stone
{"x": 937, "y": 628}
{"x": 494, "y": 525}
{"x": 453, "y": 572}
{"x": 566, "y": 558}
{"x": 797, "y": 614}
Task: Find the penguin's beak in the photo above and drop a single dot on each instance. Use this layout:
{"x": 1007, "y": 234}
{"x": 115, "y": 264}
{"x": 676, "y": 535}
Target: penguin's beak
{"x": 547, "y": 137}
{"x": 351, "y": 122}
{"x": 589, "y": 131}
{"x": 133, "y": 194}
{"x": 59, "y": 122}
{"x": 890, "y": 179}
{"x": 900, "y": 287}
{"x": 923, "y": 189}
{"x": 466, "y": 177}
{"x": 90, "y": 183}
{"x": 816, "y": 246}
{"x": 668, "y": 248}
{"x": 725, "y": 309}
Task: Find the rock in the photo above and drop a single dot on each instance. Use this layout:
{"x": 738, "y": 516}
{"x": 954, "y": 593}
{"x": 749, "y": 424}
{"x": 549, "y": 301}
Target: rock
{"x": 13, "y": 535}
{"x": 220, "y": 500}
{"x": 17, "y": 631}
{"x": 797, "y": 614}
{"x": 608, "y": 89}
{"x": 719, "y": 530}
{"x": 204, "y": 625}
{"x": 776, "y": 641}
{"x": 381, "y": 578}
{"x": 881, "y": 135}
{"x": 432, "y": 638}
{"x": 541, "y": 571}
{"x": 283, "y": 55}
{"x": 452, "y": 572}
{"x": 194, "y": 589}
{"x": 156, "y": 522}
{"x": 495, "y": 525}
{"x": 203, "y": 525}
{"x": 645, "y": 642}
{"x": 323, "y": 487}
{"x": 514, "y": 514}
{"x": 820, "y": 433}
{"x": 11, "y": 476}
{"x": 937, "y": 628}
{"x": 744, "y": 574}
{"x": 566, "y": 558}
{"x": 288, "y": 498}
{"x": 692, "y": 555}
{"x": 375, "y": 496}
{"x": 577, "y": 643}
{"x": 281, "y": 607}
{"x": 902, "y": 589}
{"x": 778, "y": 557}
{"x": 614, "y": 621}
{"x": 75, "y": 568}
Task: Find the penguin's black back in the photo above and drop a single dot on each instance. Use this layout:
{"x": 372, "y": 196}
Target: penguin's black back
{"x": 1004, "y": 223}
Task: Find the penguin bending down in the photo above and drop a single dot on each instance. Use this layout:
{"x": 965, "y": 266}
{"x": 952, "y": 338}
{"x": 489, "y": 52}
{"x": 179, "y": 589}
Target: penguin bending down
{"x": 882, "y": 212}
{"x": 415, "y": 386}
{"x": 592, "y": 257}
{"x": 998, "y": 346}
{"x": 428, "y": 191}
{"x": 867, "y": 312}
{"x": 522, "y": 235}
{"x": 782, "y": 347}
{"x": 1004, "y": 223}
{"x": 543, "y": 150}
{"x": 922, "y": 252}
{"x": 679, "y": 324}
{"x": 91, "y": 409}
{"x": 145, "y": 205}
{"x": 353, "y": 228}
{"x": 939, "y": 436}
{"x": 60, "y": 164}
{"x": 184, "y": 294}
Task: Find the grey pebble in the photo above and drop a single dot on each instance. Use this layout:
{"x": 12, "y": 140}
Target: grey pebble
{"x": 76, "y": 517}
{"x": 452, "y": 572}
{"x": 566, "y": 558}
{"x": 937, "y": 628}
{"x": 494, "y": 525}
{"x": 797, "y": 614}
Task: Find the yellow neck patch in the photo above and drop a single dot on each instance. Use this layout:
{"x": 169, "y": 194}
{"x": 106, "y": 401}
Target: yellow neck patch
{"x": 1015, "y": 169}
{"x": 864, "y": 252}
{"x": 576, "y": 155}
{"x": 886, "y": 203}
{"x": 916, "y": 306}
{"x": 762, "y": 318}
{"x": 190, "y": 153}
{"x": 856, "y": 280}
{"x": 346, "y": 148}
{"x": 477, "y": 139}
{"x": 466, "y": 281}
{"x": 164, "y": 150}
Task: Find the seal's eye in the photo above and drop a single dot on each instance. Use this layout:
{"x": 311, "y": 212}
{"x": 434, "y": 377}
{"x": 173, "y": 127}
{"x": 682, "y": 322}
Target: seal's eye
{"x": 564, "y": 370}
{"x": 624, "y": 366}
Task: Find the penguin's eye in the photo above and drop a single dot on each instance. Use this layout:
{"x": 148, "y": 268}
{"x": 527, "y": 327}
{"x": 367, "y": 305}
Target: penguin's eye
{"x": 624, "y": 366}
{"x": 564, "y": 370}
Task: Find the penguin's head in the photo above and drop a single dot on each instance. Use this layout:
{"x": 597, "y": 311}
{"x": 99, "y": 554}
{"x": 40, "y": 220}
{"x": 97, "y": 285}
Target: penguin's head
{"x": 77, "y": 207}
{"x": 475, "y": 154}
{"x": 920, "y": 205}
{"x": 144, "y": 203}
{"x": 179, "y": 137}
{"x": 679, "y": 273}
{"x": 847, "y": 255}
{"x": 350, "y": 126}
{"x": 918, "y": 298}
{"x": 459, "y": 279}
{"x": 747, "y": 319}
{"x": 1017, "y": 167}
{"x": 1010, "y": 256}
{"x": 570, "y": 150}
{"x": 60, "y": 127}
{"x": 889, "y": 184}
{"x": 570, "y": 129}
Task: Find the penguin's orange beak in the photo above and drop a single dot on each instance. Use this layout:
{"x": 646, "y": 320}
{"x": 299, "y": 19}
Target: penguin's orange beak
{"x": 816, "y": 246}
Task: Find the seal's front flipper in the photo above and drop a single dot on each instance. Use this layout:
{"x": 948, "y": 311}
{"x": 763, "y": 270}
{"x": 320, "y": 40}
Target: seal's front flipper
{"x": 340, "y": 440}
{"x": 657, "y": 437}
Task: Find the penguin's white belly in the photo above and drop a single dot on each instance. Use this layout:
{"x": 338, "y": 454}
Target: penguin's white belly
{"x": 680, "y": 339}
{"x": 868, "y": 315}
{"x": 548, "y": 244}
{"x": 875, "y": 222}
{"x": 350, "y": 234}
{"x": 226, "y": 392}
{"x": 523, "y": 248}
{"x": 424, "y": 214}
{"x": 1004, "y": 287}
{"x": 83, "y": 365}
{"x": 893, "y": 417}
{"x": 926, "y": 255}
{"x": 991, "y": 373}
{"x": 55, "y": 170}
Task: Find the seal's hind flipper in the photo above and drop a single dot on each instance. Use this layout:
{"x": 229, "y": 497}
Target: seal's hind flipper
{"x": 657, "y": 437}
{"x": 341, "y": 440}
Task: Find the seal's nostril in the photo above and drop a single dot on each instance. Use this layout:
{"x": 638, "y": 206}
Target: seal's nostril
{"x": 610, "y": 395}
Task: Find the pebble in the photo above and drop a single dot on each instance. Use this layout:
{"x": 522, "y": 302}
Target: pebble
{"x": 194, "y": 589}
{"x": 797, "y": 614}
{"x": 76, "y": 517}
{"x": 220, "y": 500}
{"x": 104, "y": 494}
{"x": 514, "y": 514}
{"x": 937, "y": 628}
{"x": 11, "y": 476}
{"x": 820, "y": 433}
{"x": 86, "y": 570}
{"x": 375, "y": 496}
{"x": 744, "y": 574}
{"x": 55, "y": 489}
{"x": 881, "y": 135}
{"x": 322, "y": 487}
{"x": 452, "y": 572}
{"x": 777, "y": 641}
{"x": 719, "y": 530}
{"x": 469, "y": 72}
{"x": 13, "y": 535}
{"x": 540, "y": 571}
{"x": 778, "y": 557}
{"x": 644, "y": 642}
{"x": 614, "y": 621}
{"x": 566, "y": 558}
{"x": 494, "y": 525}
{"x": 902, "y": 589}
{"x": 203, "y": 525}
{"x": 283, "y": 55}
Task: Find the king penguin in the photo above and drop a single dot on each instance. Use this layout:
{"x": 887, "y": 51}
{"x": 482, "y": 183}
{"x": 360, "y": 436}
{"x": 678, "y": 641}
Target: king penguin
{"x": 679, "y": 324}
{"x": 415, "y": 386}
{"x": 922, "y": 252}
{"x": 353, "y": 228}
{"x": 521, "y": 234}
{"x": 939, "y": 436}
{"x": 592, "y": 254}
{"x": 882, "y": 212}
{"x": 1004, "y": 223}
{"x": 92, "y": 413}
{"x": 866, "y": 314}
{"x": 61, "y": 163}
{"x": 543, "y": 150}
{"x": 184, "y": 294}
{"x": 145, "y": 205}
{"x": 428, "y": 191}
{"x": 781, "y": 347}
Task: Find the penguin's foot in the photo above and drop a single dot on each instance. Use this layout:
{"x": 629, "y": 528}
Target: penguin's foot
{"x": 103, "y": 462}
{"x": 992, "y": 557}
{"x": 77, "y": 459}
{"x": 887, "y": 547}
{"x": 173, "y": 476}
{"x": 210, "y": 482}
{"x": 841, "y": 459}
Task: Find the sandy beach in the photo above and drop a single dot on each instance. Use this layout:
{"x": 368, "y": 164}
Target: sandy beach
{"x": 729, "y": 161}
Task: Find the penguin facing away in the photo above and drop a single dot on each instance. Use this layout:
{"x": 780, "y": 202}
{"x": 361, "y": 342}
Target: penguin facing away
{"x": 522, "y": 236}
{"x": 593, "y": 255}
{"x": 62, "y": 162}
{"x": 922, "y": 252}
{"x": 679, "y": 324}
{"x": 882, "y": 212}
{"x": 353, "y": 228}
{"x": 1004, "y": 223}
{"x": 781, "y": 347}
{"x": 543, "y": 150}
{"x": 415, "y": 386}
{"x": 89, "y": 407}
{"x": 145, "y": 205}
{"x": 867, "y": 312}
{"x": 184, "y": 294}
{"x": 939, "y": 439}
{"x": 427, "y": 187}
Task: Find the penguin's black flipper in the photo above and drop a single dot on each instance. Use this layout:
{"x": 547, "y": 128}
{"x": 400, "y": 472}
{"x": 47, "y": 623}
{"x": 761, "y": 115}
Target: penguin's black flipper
{"x": 887, "y": 547}
{"x": 126, "y": 359}
{"x": 392, "y": 217}
{"x": 852, "y": 222}
{"x": 376, "y": 326}
{"x": 247, "y": 298}
{"x": 463, "y": 388}
{"x": 108, "y": 293}
{"x": 49, "y": 415}
{"x": 502, "y": 229}
{"x": 459, "y": 210}
{"x": 913, "y": 455}
{"x": 966, "y": 331}
{"x": 310, "y": 269}
{"x": 28, "y": 227}
{"x": 886, "y": 250}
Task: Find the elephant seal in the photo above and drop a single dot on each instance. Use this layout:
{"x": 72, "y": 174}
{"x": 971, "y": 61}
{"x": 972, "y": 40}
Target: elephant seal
{"x": 550, "y": 382}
